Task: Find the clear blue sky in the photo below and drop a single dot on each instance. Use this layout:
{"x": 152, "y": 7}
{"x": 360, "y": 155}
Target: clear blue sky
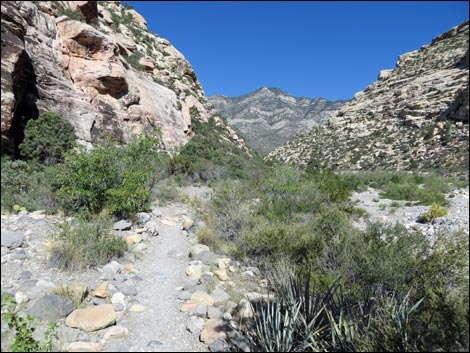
{"x": 313, "y": 49}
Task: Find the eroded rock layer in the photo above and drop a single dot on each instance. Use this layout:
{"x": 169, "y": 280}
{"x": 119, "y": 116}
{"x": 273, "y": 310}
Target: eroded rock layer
{"x": 98, "y": 65}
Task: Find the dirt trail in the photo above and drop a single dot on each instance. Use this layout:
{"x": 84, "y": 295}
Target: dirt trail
{"x": 161, "y": 327}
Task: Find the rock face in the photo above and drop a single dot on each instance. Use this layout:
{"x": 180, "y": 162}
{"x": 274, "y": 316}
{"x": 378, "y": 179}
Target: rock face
{"x": 269, "y": 117}
{"x": 103, "y": 70}
{"x": 414, "y": 117}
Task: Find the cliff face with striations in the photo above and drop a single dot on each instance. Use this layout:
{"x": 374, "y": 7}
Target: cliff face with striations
{"x": 97, "y": 64}
{"x": 415, "y": 116}
{"x": 269, "y": 117}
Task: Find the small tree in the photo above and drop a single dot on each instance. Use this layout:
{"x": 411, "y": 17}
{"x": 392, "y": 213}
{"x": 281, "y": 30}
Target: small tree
{"x": 47, "y": 138}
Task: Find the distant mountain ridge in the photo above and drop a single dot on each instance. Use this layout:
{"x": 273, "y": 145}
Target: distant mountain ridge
{"x": 415, "y": 116}
{"x": 269, "y": 117}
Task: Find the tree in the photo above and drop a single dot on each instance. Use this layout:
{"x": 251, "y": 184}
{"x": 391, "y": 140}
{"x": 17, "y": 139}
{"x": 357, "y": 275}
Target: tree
{"x": 47, "y": 138}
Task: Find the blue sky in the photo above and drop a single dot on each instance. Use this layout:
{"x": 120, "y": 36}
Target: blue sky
{"x": 313, "y": 49}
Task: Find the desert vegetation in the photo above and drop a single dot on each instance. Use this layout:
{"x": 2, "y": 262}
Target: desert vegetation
{"x": 337, "y": 288}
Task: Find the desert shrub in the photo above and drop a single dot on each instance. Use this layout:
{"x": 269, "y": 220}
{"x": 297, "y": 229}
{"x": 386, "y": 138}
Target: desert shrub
{"x": 47, "y": 138}
{"x": 85, "y": 242}
{"x": 302, "y": 318}
{"x": 286, "y": 191}
{"x": 29, "y": 185}
{"x": 442, "y": 279}
{"x": 425, "y": 189}
{"x": 165, "y": 190}
{"x": 434, "y": 211}
{"x": 209, "y": 156}
{"x": 110, "y": 177}
{"x": 21, "y": 328}
{"x": 207, "y": 237}
{"x": 72, "y": 14}
{"x": 133, "y": 60}
{"x": 228, "y": 212}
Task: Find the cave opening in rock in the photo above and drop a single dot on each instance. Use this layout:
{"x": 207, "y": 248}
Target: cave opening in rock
{"x": 26, "y": 96}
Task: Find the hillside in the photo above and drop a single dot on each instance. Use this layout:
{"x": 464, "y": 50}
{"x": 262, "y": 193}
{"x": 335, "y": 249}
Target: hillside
{"x": 99, "y": 65}
{"x": 414, "y": 117}
{"x": 269, "y": 117}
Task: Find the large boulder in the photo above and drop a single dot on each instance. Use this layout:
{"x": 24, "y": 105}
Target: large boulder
{"x": 92, "y": 319}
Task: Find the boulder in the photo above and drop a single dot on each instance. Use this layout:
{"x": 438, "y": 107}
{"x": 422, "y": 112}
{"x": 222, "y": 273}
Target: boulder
{"x": 93, "y": 318}
{"x": 195, "y": 324}
{"x": 76, "y": 291}
{"x": 122, "y": 225}
{"x": 51, "y": 307}
{"x": 11, "y": 239}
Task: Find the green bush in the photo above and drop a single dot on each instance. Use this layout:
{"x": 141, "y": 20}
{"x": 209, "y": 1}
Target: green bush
{"x": 208, "y": 156}
{"x": 118, "y": 179}
{"x": 47, "y": 138}
{"x": 425, "y": 189}
{"x": 29, "y": 185}
{"x": 85, "y": 242}
{"x": 72, "y": 14}
{"x": 434, "y": 211}
{"x": 133, "y": 60}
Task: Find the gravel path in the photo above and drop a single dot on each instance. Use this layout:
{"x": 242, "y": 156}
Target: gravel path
{"x": 161, "y": 327}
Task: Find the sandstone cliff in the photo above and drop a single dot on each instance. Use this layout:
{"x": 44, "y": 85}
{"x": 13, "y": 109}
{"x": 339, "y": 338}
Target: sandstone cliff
{"x": 269, "y": 117}
{"x": 98, "y": 65}
{"x": 415, "y": 116}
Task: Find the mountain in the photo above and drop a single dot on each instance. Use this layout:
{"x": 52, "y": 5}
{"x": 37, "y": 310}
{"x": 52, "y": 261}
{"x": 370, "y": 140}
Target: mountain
{"x": 415, "y": 116}
{"x": 96, "y": 63}
{"x": 268, "y": 117}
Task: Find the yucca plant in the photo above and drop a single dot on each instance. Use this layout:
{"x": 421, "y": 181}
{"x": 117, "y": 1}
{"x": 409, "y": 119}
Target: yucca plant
{"x": 302, "y": 319}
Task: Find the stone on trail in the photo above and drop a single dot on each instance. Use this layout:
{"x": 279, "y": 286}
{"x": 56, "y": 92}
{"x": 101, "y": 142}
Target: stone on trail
{"x": 137, "y": 308}
{"x": 195, "y": 324}
{"x": 93, "y": 318}
{"x": 83, "y": 347}
{"x": 143, "y": 217}
{"x": 115, "y": 332}
{"x": 51, "y": 307}
{"x": 102, "y": 291}
{"x": 11, "y": 240}
{"x": 197, "y": 249}
{"x": 202, "y": 297}
{"x": 194, "y": 271}
{"x": 214, "y": 330}
{"x": 76, "y": 291}
{"x": 199, "y": 310}
{"x": 122, "y": 225}
{"x": 219, "y": 296}
{"x": 187, "y": 224}
{"x": 118, "y": 298}
{"x": 133, "y": 239}
{"x": 214, "y": 313}
{"x": 221, "y": 274}
{"x": 152, "y": 228}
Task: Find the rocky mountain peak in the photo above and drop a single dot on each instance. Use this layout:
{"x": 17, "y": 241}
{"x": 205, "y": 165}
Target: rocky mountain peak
{"x": 269, "y": 116}
{"x": 97, "y": 64}
{"x": 414, "y": 117}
